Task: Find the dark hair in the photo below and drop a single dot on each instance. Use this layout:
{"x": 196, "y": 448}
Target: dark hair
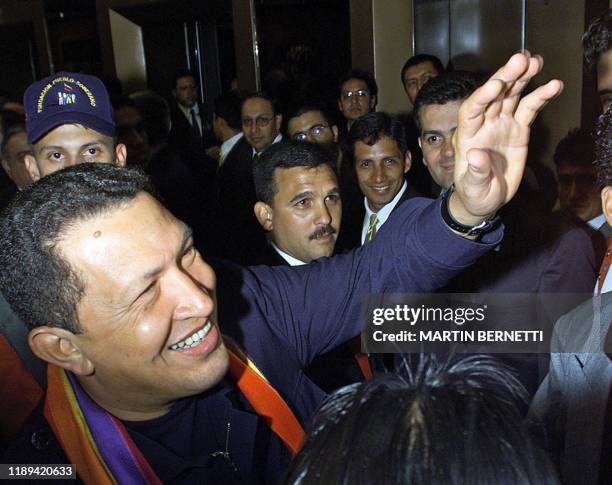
{"x": 261, "y": 95}
{"x": 364, "y": 76}
{"x": 576, "y": 148}
{"x": 122, "y": 101}
{"x": 294, "y": 113}
{"x": 11, "y": 131}
{"x": 371, "y": 127}
{"x": 450, "y": 86}
{"x": 156, "y": 114}
{"x": 227, "y": 106}
{"x": 35, "y": 278}
{"x": 287, "y": 154}
{"x": 444, "y": 422}
{"x": 8, "y": 118}
{"x": 597, "y": 39}
{"x": 181, "y": 73}
{"x": 422, "y": 59}
{"x": 603, "y": 149}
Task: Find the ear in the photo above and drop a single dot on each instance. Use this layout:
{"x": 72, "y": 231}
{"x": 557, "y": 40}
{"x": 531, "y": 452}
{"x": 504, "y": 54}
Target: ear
{"x": 279, "y": 120}
{"x": 606, "y": 203}
{"x": 373, "y": 101}
{"x": 6, "y": 168}
{"x": 334, "y": 130}
{"x": 407, "y": 161}
{"x": 31, "y": 167}
{"x": 264, "y": 215}
{"x": 174, "y": 93}
{"x": 59, "y": 347}
{"x": 120, "y": 154}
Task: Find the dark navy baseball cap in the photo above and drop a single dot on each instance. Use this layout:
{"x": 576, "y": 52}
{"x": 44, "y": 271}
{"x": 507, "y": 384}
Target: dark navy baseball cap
{"x": 65, "y": 98}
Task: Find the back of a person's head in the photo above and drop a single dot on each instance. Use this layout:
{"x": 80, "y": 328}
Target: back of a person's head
{"x": 445, "y": 422}
{"x": 576, "y": 148}
{"x": 603, "y": 149}
{"x": 227, "y": 106}
{"x": 597, "y": 39}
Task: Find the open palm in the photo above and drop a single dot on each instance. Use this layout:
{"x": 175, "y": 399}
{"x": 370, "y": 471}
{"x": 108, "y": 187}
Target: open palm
{"x": 492, "y": 137}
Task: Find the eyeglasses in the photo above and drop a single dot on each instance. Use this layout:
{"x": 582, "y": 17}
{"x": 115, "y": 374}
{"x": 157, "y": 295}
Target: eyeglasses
{"x": 360, "y": 93}
{"x": 260, "y": 122}
{"x": 315, "y": 131}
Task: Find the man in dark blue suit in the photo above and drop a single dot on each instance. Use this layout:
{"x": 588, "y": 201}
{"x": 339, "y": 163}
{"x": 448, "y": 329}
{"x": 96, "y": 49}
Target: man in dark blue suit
{"x": 128, "y": 313}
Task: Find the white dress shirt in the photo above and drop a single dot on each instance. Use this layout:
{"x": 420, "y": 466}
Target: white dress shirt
{"x": 187, "y": 113}
{"x": 227, "y": 146}
{"x": 291, "y": 261}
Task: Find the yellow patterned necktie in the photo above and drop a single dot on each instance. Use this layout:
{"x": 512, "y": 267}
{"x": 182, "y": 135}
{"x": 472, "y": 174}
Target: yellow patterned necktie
{"x": 371, "y": 228}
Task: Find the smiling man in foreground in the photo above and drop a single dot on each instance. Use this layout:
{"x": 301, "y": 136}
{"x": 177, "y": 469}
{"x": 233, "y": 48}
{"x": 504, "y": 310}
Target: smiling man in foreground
{"x": 130, "y": 316}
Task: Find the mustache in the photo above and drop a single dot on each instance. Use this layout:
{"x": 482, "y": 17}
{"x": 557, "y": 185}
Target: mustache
{"x": 322, "y": 231}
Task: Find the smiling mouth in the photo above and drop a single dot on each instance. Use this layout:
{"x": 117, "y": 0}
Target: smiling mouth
{"x": 381, "y": 189}
{"x": 195, "y": 339}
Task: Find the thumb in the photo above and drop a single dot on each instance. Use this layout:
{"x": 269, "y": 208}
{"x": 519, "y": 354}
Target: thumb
{"x": 478, "y": 171}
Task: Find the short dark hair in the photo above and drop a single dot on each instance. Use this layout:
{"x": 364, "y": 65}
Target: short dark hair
{"x": 260, "y": 95}
{"x": 371, "y": 127}
{"x": 576, "y": 148}
{"x": 603, "y": 149}
{"x": 364, "y": 76}
{"x": 227, "y": 106}
{"x": 181, "y": 73}
{"x": 287, "y": 154}
{"x": 299, "y": 111}
{"x": 35, "y": 278}
{"x": 444, "y": 422}
{"x": 9, "y": 133}
{"x": 597, "y": 39}
{"x": 450, "y": 86}
{"x": 421, "y": 59}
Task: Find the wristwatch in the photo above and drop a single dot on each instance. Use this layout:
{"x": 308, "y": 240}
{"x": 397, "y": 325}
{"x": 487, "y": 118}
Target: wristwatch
{"x": 477, "y": 230}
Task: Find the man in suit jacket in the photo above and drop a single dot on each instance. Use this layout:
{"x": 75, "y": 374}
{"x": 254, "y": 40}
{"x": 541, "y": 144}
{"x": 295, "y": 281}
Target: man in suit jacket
{"x": 240, "y": 236}
{"x": 191, "y": 130}
{"x": 298, "y": 202}
{"x": 380, "y": 156}
{"x": 574, "y": 400}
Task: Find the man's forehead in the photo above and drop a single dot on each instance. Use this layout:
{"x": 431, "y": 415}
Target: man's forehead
{"x": 122, "y": 233}
{"x": 384, "y": 146}
{"x": 354, "y": 83}
{"x": 291, "y": 178}
{"x": 185, "y": 81}
{"x": 306, "y": 120}
{"x": 71, "y": 135}
{"x": 256, "y": 107}
{"x": 418, "y": 69}
{"x": 434, "y": 115}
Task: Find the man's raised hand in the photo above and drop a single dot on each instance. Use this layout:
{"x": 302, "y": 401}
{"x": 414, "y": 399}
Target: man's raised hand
{"x": 492, "y": 137}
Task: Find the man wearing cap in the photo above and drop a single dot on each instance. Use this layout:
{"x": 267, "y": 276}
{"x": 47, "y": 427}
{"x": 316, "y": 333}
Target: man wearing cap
{"x": 69, "y": 120}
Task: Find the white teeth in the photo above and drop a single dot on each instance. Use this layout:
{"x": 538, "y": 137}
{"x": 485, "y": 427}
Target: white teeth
{"x": 194, "y": 339}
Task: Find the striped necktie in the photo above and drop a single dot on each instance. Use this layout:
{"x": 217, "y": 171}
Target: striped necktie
{"x": 371, "y": 228}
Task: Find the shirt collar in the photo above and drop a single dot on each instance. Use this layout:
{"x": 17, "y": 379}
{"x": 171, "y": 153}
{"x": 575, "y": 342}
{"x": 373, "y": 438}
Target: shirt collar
{"x": 383, "y": 213}
{"x": 278, "y": 138}
{"x": 597, "y": 222}
{"x": 187, "y": 111}
{"x": 291, "y": 261}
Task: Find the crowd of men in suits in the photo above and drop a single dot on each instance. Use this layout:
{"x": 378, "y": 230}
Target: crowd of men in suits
{"x": 261, "y": 186}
